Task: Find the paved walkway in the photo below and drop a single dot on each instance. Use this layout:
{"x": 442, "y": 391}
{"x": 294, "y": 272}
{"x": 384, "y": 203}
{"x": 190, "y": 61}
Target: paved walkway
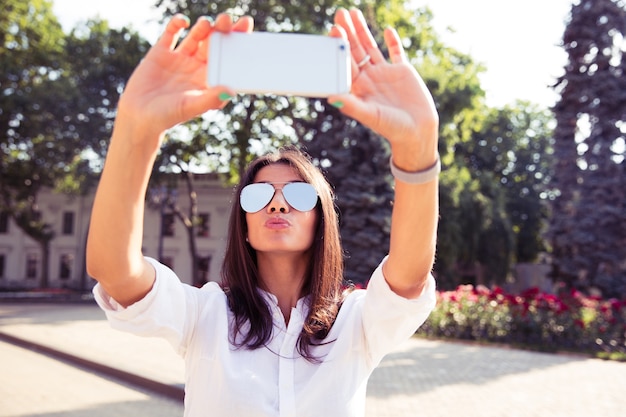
{"x": 32, "y": 384}
{"x": 421, "y": 378}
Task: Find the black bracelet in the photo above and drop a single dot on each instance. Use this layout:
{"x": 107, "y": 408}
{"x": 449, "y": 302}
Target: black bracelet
{"x": 419, "y": 177}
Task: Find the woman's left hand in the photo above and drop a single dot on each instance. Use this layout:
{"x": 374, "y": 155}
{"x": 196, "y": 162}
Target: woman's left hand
{"x": 388, "y": 97}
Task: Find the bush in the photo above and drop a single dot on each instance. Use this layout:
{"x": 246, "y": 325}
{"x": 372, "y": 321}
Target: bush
{"x": 569, "y": 321}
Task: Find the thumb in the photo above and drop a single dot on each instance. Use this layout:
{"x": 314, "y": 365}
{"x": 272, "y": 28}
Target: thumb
{"x": 353, "y": 107}
{"x": 200, "y": 101}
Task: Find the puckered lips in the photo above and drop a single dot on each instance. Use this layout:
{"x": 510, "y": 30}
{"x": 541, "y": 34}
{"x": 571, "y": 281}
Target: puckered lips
{"x": 277, "y": 223}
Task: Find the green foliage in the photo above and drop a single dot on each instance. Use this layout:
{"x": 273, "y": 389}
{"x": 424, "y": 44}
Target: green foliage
{"x": 274, "y": 16}
{"x": 30, "y": 56}
{"x": 511, "y": 158}
{"x": 99, "y": 62}
{"x": 494, "y": 194}
{"x": 30, "y": 36}
{"x": 31, "y": 45}
{"x": 532, "y": 319}
{"x": 57, "y": 104}
{"x": 588, "y": 226}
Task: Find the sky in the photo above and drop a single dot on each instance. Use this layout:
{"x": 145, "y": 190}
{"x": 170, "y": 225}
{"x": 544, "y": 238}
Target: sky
{"x": 517, "y": 41}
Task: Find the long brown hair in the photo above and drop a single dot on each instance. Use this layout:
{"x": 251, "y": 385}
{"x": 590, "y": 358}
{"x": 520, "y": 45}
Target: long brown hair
{"x": 325, "y": 271}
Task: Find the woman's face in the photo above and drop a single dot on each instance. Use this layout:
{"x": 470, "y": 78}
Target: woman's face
{"x": 278, "y": 227}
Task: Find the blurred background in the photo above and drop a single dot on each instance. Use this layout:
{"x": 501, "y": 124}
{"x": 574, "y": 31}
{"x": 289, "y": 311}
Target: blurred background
{"x": 532, "y": 139}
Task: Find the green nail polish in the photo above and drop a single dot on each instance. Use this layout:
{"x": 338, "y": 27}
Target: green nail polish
{"x": 225, "y": 96}
{"x": 338, "y": 104}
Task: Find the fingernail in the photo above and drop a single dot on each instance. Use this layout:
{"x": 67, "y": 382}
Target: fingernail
{"x": 208, "y": 18}
{"x": 184, "y": 17}
{"x": 225, "y": 96}
{"x": 338, "y": 104}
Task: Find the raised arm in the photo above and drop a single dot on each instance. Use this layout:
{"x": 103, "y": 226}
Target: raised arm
{"x": 167, "y": 87}
{"x": 392, "y": 99}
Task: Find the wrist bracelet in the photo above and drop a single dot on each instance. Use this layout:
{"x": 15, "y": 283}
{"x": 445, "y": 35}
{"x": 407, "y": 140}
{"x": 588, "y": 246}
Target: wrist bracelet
{"x": 418, "y": 177}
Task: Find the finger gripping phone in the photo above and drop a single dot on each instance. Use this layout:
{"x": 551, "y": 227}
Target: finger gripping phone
{"x": 279, "y": 63}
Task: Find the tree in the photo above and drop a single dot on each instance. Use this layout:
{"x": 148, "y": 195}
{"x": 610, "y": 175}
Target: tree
{"x": 509, "y": 158}
{"x": 588, "y": 226}
{"x": 100, "y": 61}
{"x": 31, "y": 42}
{"x": 527, "y": 174}
{"x": 56, "y": 108}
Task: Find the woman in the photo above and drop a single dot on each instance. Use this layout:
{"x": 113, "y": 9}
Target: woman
{"x": 280, "y": 340}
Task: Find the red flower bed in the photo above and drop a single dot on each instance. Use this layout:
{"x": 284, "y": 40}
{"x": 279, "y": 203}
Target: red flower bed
{"x": 569, "y": 321}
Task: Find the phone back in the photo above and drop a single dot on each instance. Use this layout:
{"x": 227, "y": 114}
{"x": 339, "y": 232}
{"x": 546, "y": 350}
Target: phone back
{"x": 279, "y": 63}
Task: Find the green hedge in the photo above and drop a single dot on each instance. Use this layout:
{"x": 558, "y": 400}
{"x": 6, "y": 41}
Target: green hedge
{"x": 569, "y": 321}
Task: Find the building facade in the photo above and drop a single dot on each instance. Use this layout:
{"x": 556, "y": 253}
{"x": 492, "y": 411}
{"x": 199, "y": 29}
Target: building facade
{"x": 165, "y": 238}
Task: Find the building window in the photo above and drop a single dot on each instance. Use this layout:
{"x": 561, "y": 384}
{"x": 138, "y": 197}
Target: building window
{"x": 68, "y": 223}
{"x": 204, "y": 225}
{"x": 168, "y": 221}
{"x": 2, "y": 263}
{"x": 32, "y": 266}
{"x": 66, "y": 265}
{"x": 4, "y": 222}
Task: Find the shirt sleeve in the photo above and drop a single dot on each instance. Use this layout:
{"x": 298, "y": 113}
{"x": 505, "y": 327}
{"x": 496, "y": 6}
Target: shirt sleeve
{"x": 390, "y": 319}
{"x": 167, "y": 311}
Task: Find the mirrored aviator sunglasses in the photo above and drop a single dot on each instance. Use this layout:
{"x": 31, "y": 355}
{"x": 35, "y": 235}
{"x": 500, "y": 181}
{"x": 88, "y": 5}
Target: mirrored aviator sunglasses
{"x": 299, "y": 195}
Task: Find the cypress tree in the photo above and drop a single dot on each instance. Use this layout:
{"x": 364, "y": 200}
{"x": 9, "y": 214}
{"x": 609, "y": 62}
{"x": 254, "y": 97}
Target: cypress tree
{"x": 588, "y": 226}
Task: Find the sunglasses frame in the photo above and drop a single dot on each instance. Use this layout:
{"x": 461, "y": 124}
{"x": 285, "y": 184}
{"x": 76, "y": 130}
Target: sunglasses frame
{"x": 249, "y": 203}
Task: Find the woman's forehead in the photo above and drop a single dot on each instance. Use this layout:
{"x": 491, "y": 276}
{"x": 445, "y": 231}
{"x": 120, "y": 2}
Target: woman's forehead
{"x": 277, "y": 173}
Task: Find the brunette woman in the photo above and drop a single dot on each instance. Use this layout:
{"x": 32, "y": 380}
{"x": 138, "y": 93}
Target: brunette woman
{"x": 278, "y": 337}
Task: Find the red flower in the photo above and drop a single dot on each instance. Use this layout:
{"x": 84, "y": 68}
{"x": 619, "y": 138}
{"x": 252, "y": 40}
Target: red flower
{"x": 616, "y": 304}
{"x": 562, "y": 307}
{"x": 531, "y": 292}
{"x": 482, "y": 290}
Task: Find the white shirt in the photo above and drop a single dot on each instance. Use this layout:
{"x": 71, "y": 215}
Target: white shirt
{"x": 275, "y": 380}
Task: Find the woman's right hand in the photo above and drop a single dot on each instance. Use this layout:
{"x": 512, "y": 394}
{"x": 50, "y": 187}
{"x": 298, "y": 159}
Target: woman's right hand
{"x": 168, "y": 86}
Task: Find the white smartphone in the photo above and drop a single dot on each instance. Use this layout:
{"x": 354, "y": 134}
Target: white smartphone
{"x": 279, "y": 63}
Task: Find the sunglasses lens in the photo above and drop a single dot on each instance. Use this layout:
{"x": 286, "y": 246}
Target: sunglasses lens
{"x": 256, "y": 196}
{"x": 300, "y": 195}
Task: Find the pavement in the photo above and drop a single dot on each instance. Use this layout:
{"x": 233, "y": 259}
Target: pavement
{"x": 62, "y": 359}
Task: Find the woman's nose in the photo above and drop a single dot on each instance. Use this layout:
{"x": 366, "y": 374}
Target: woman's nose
{"x": 278, "y": 203}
